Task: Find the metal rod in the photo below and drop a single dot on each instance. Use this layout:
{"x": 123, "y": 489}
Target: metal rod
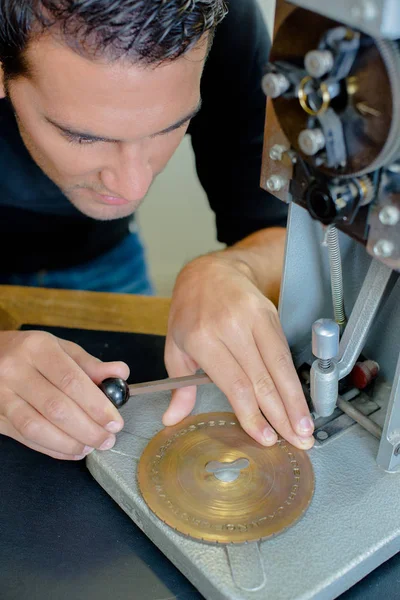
{"x": 363, "y": 314}
{"x": 361, "y": 419}
{"x": 161, "y": 385}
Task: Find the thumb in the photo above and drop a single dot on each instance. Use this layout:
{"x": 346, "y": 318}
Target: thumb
{"x": 183, "y": 400}
{"x": 92, "y": 366}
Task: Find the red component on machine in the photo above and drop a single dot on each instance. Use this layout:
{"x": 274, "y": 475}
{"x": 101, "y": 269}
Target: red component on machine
{"x": 363, "y": 373}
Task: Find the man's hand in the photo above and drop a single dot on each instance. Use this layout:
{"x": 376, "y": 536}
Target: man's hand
{"x": 221, "y": 322}
{"x": 49, "y": 399}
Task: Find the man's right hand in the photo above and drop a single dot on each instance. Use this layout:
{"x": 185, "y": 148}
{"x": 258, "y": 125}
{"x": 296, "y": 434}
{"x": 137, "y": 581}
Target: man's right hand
{"x": 49, "y": 399}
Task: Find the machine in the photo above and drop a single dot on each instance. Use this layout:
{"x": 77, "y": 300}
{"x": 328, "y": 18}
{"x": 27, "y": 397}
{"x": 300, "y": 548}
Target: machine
{"x": 332, "y": 151}
{"x": 332, "y": 147}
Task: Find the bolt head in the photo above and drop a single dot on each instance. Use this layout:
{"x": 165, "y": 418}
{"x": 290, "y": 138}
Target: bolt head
{"x": 275, "y": 84}
{"x": 311, "y": 141}
{"x": 319, "y": 62}
{"x": 275, "y": 183}
{"x": 383, "y": 248}
{"x": 277, "y": 151}
{"x": 389, "y": 215}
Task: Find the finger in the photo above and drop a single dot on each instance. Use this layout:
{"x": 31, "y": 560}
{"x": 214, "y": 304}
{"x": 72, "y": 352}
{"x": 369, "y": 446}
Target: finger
{"x": 53, "y": 454}
{"x": 277, "y": 356}
{"x": 224, "y": 370}
{"x": 68, "y": 377}
{"x": 265, "y": 390}
{"x": 58, "y": 408}
{"x": 245, "y": 350}
{"x": 26, "y": 425}
{"x": 183, "y": 400}
{"x": 96, "y": 369}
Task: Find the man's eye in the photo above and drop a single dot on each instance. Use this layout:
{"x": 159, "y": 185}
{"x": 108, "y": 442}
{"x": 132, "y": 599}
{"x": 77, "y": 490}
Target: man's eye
{"x": 77, "y": 139}
{"x": 83, "y": 140}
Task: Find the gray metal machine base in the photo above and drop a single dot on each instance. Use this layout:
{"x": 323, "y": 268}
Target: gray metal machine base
{"x": 350, "y": 528}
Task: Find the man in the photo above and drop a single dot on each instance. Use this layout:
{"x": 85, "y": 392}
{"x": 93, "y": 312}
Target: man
{"x": 97, "y": 98}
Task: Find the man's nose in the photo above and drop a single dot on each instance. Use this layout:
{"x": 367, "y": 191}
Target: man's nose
{"x": 129, "y": 174}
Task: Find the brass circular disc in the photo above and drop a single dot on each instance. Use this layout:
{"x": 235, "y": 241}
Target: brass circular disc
{"x": 272, "y": 490}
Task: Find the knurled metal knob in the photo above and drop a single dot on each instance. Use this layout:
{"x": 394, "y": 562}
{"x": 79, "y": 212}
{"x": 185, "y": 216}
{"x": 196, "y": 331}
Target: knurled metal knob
{"x": 276, "y": 183}
{"x": 311, "y": 141}
{"x": 319, "y": 62}
{"x": 275, "y": 84}
{"x": 325, "y": 339}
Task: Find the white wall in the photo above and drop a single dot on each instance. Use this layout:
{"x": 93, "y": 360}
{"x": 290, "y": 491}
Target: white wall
{"x": 175, "y": 219}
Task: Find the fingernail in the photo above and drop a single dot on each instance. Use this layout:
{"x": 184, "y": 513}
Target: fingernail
{"x": 87, "y": 450}
{"x": 79, "y": 456}
{"x": 269, "y": 436}
{"x": 306, "y": 426}
{"x": 114, "y": 426}
{"x": 306, "y": 442}
{"x": 109, "y": 443}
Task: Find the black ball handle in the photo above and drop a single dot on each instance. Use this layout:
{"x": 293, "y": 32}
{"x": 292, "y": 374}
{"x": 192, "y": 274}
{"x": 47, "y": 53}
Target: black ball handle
{"x": 116, "y": 390}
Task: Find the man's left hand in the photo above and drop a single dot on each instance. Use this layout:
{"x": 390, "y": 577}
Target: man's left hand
{"x": 222, "y": 323}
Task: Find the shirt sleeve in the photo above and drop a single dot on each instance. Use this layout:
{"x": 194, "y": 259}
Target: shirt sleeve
{"x": 227, "y": 134}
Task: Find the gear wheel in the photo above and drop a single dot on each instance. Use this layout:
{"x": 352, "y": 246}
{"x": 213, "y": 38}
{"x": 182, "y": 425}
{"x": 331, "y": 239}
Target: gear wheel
{"x": 367, "y": 189}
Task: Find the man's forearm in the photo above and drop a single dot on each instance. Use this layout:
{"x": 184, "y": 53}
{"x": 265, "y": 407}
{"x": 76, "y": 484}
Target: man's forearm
{"x": 263, "y": 253}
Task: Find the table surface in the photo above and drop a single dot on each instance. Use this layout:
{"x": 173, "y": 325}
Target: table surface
{"x": 66, "y": 538}
{"x": 83, "y": 310}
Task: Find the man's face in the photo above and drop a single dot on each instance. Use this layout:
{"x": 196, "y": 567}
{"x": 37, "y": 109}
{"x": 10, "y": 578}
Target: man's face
{"x": 103, "y": 130}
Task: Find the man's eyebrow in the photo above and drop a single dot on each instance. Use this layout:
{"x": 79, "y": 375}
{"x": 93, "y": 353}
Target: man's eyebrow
{"x": 71, "y": 131}
{"x": 181, "y": 122}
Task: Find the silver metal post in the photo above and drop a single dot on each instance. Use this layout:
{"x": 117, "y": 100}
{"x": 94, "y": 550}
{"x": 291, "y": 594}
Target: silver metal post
{"x": 324, "y": 373}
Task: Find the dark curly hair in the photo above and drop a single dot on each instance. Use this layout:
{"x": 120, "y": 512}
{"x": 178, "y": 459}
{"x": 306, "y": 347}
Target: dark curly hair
{"x": 147, "y": 31}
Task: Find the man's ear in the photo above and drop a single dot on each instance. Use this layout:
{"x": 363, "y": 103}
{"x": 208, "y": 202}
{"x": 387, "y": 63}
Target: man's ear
{"x": 2, "y": 89}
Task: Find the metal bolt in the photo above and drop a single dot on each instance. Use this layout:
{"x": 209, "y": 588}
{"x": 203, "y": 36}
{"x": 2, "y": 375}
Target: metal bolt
{"x": 364, "y": 10}
{"x": 322, "y": 435}
{"x": 396, "y": 451}
{"x": 275, "y": 183}
{"x": 319, "y": 62}
{"x": 277, "y": 151}
{"x": 311, "y": 141}
{"x": 384, "y": 248}
{"x": 275, "y": 84}
{"x": 389, "y": 215}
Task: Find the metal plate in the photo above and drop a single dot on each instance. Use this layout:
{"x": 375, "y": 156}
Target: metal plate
{"x": 382, "y": 22}
{"x": 365, "y": 108}
{"x": 207, "y": 479}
